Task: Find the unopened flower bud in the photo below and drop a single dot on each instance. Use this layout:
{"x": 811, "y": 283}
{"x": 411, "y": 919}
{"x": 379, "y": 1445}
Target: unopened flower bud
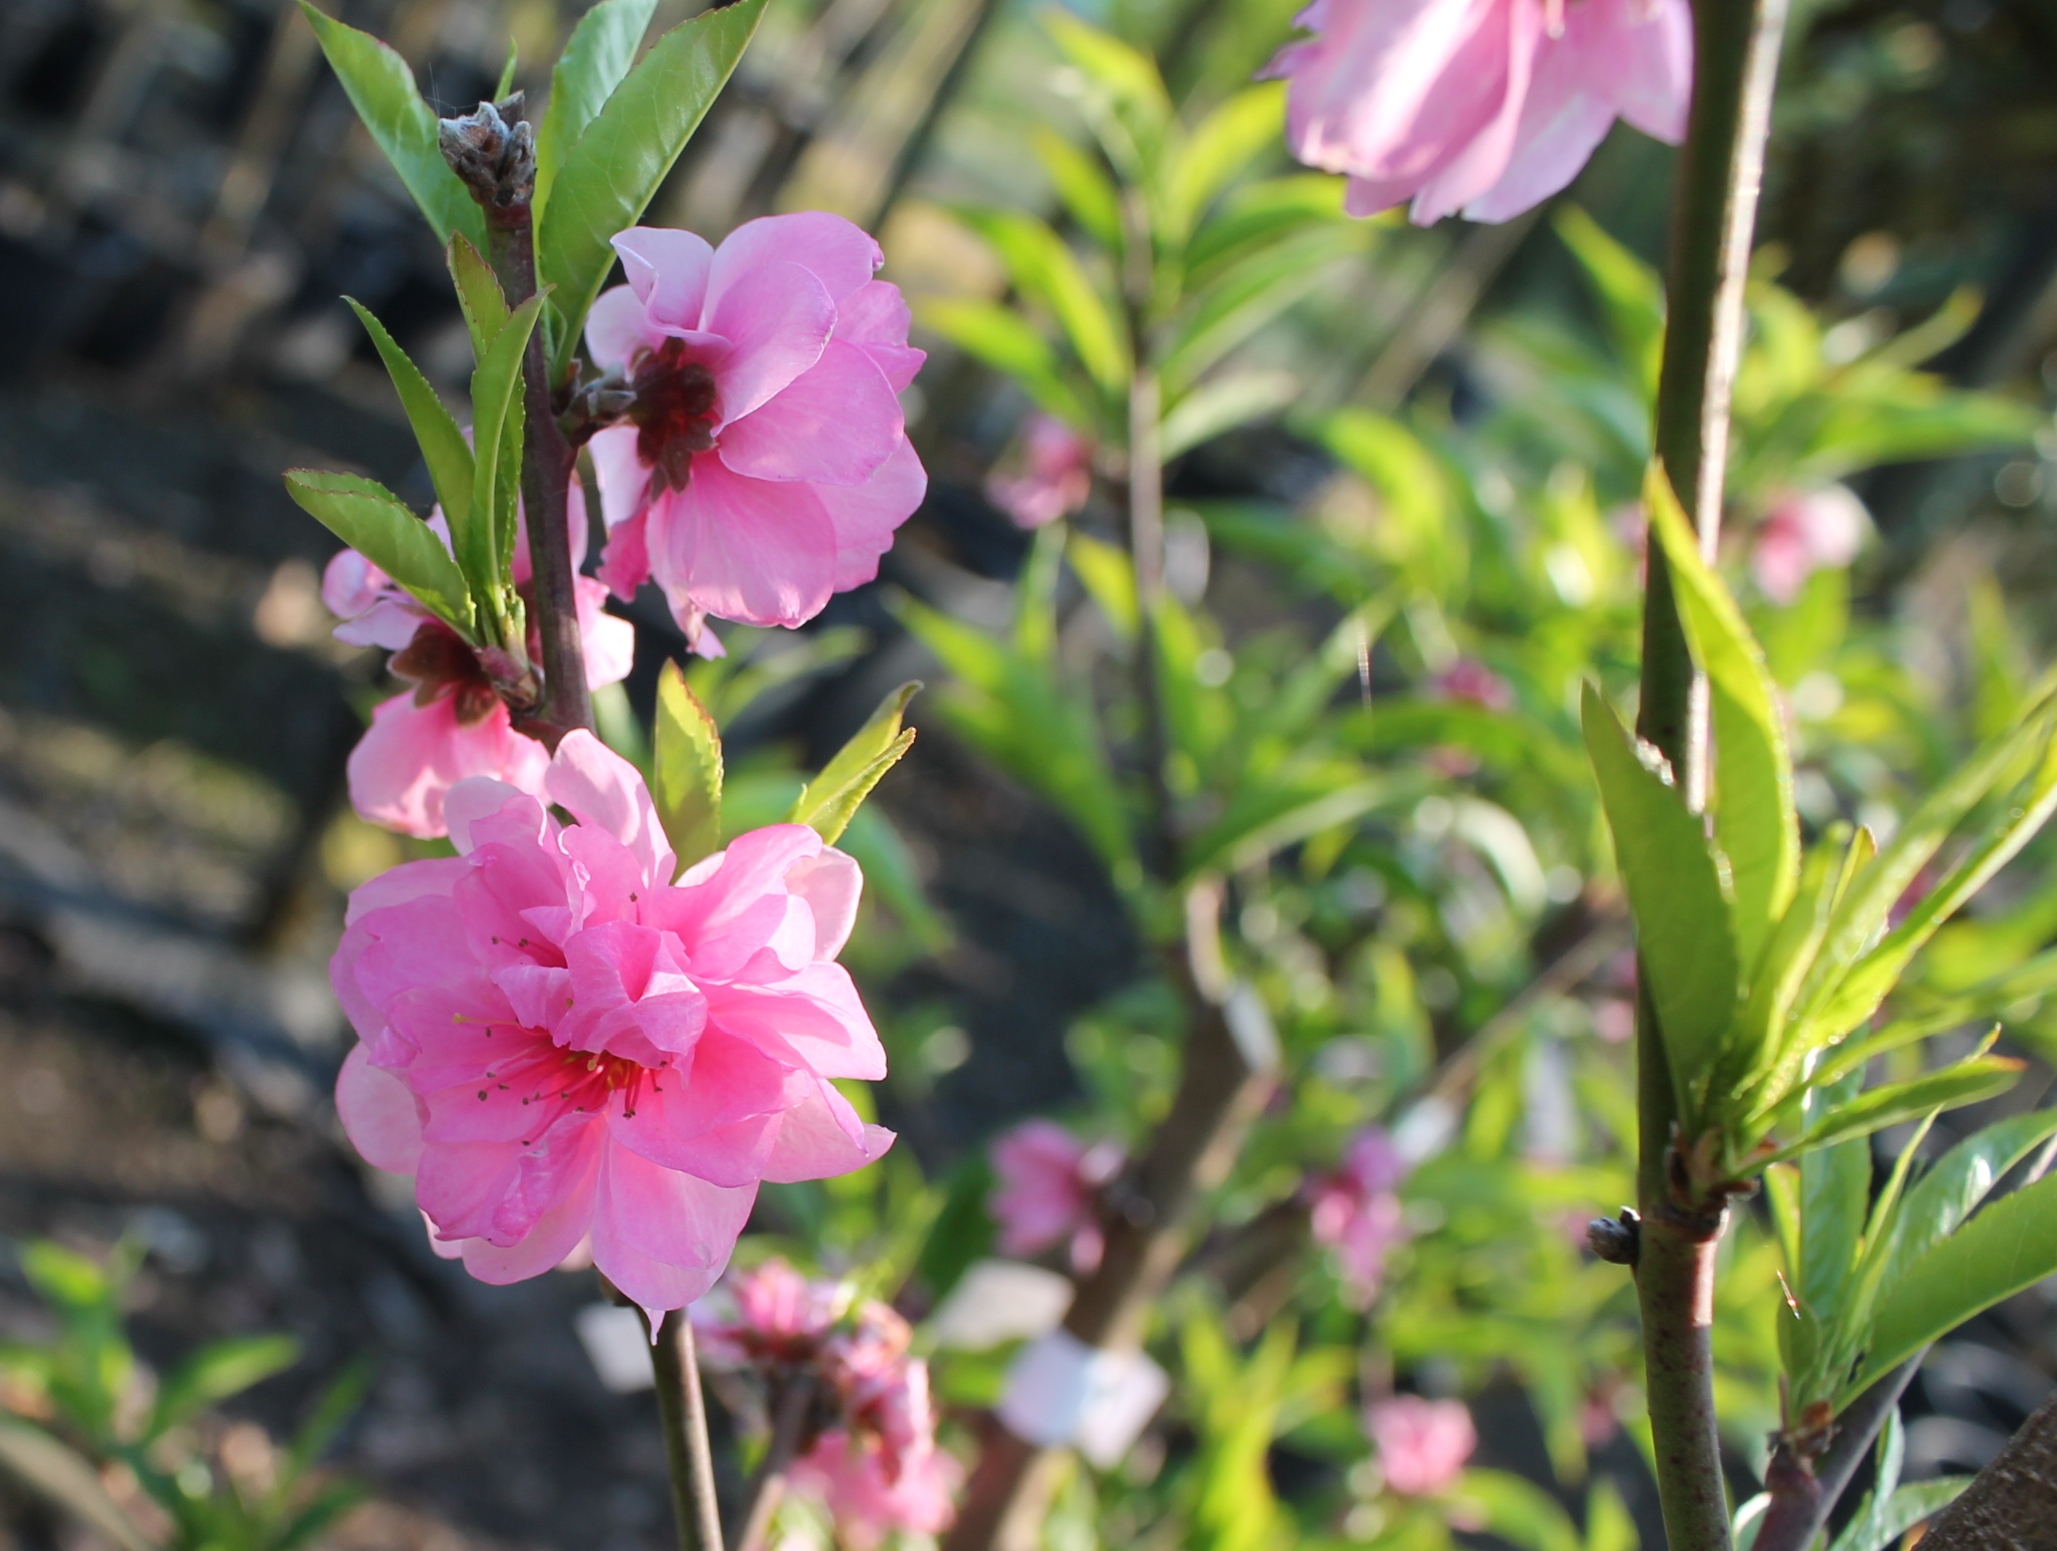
{"x": 493, "y": 149}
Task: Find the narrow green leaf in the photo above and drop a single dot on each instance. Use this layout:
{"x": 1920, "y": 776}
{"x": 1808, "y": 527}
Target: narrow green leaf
{"x": 830, "y": 800}
{"x": 1959, "y": 1180}
{"x": 1889, "y": 1104}
{"x": 1045, "y": 270}
{"x": 1753, "y": 1064}
{"x": 506, "y": 81}
{"x": 1083, "y": 186}
{"x": 686, "y": 764}
{"x": 381, "y": 87}
{"x": 1249, "y": 292}
{"x": 595, "y": 58}
{"x": 66, "y": 1480}
{"x": 496, "y": 411}
{"x": 1912, "y": 1504}
{"x": 1835, "y": 1190}
{"x": 1754, "y": 820}
{"x": 1220, "y": 147}
{"x": 1683, "y": 927}
{"x": 217, "y": 1371}
{"x": 2009, "y": 1246}
{"x": 613, "y": 169}
{"x": 371, "y": 520}
{"x": 1270, "y": 815}
{"x": 1630, "y": 290}
{"x": 478, "y": 294}
{"x": 1010, "y": 344}
{"x": 1222, "y": 405}
{"x": 1608, "y": 1524}
{"x": 443, "y": 447}
{"x": 1109, "y": 579}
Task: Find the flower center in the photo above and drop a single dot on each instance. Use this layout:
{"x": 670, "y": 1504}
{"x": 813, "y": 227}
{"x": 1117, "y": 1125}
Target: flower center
{"x": 673, "y": 413}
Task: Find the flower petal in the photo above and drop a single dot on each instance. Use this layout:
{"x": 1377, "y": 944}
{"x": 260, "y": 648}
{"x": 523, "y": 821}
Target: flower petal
{"x": 777, "y": 319}
{"x": 833, "y": 424}
{"x": 836, "y": 251}
{"x": 866, "y": 515}
{"x": 660, "y": 1236}
{"x": 667, "y": 269}
{"x": 379, "y": 1114}
{"x": 756, "y": 551}
{"x": 600, "y": 787}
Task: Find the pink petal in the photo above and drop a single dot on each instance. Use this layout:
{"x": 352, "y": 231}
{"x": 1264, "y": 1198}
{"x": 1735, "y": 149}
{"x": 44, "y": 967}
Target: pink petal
{"x": 379, "y": 1114}
{"x": 777, "y": 319}
{"x": 821, "y": 1137}
{"x": 1652, "y": 75}
{"x": 625, "y": 562}
{"x": 399, "y": 885}
{"x": 755, "y": 551}
{"x": 815, "y": 1016}
{"x": 833, "y": 249}
{"x": 833, "y": 424}
{"x": 617, "y": 328}
{"x": 600, "y": 787}
{"x": 1551, "y": 152}
{"x": 610, "y": 642}
{"x": 876, "y": 317}
{"x": 481, "y": 808}
{"x": 624, "y": 477}
{"x": 668, "y": 270}
{"x": 547, "y": 1245}
{"x": 660, "y": 1236}
{"x": 831, "y": 884}
{"x": 410, "y": 757}
{"x": 1503, "y": 51}
{"x": 866, "y": 515}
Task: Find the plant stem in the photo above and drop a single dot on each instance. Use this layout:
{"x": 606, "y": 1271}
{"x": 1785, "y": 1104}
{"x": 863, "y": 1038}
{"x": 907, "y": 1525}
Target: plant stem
{"x": 683, "y": 1410}
{"x": 768, "y": 1486}
{"x": 1804, "y": 1493}
{"x": 1714, "y": 215}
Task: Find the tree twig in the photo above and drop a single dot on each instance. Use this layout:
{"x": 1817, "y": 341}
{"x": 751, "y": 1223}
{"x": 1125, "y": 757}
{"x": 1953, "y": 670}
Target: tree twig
{"x": 2011, "y": 1505}
{"x": 683, "y": 1409}
{"x": 768, "y": 1485}
{"x": 1804, "y": 1494}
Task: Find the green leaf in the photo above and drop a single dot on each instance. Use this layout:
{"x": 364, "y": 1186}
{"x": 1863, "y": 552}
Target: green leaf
{"x": 1109, "y": 579}
{"x": 831, "y": 798}
{"x": 1282, "y": 811}
{"x": 1952, "y": 1189}
{"x": 1608, "y": 1524}
{"x": 478, "y": 294}
{"x": 1082, "y": 186}
{"x": 1011, "y": 345}
{"x": 1835, "y": 1190}
{"x": 1222, "y": 405}
{"x": 381, "y": 87}
{"x": 323, "y": 1509}
{"x": 1045, "y": 270}
{"x": 1753, "y": 1062}
{"x": 1683, "y": 927}
{"x": 335, "y": 1407}
{"x": 65, "y": 1480}
{"x": 686, "y": 764}
{"x": 614, "y": 168}
{"x": 443, "y": 447}
{"x": 371, "y": 520}
{"x": 1754, "y": 820}
{"x": 1891, "y": 1103}
{"x": 1912, "y": 1504}
{"x": 1516, "y": 1510}
{"x": 486, "y": 537}
{"x": 1248, "y": 293}
{"x": 595, "y": 58}
{"x": 1219, "y": 148}
{"x": 215, "y": 1372}
{"x": 2009, "y": 1246}
{"x": 506, "y": 81}
{"x": 1630, "y": 290}
{"x": 1258, "y": 215}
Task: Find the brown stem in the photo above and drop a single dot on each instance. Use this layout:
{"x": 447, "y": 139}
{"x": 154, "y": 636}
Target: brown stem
{"x": 768, "y": 1485}
{"x": 683, "y": 1410}
{"x": 1803, "y": 1495}
{"x": 1675, "y": 1279}
{"x": 2012, "y": 1504}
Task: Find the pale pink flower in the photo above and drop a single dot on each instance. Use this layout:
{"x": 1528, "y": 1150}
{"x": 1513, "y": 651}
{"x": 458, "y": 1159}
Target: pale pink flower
{"x": 1805, "y": 532}
{"x": 563, "y": 1045}
{"x": 1422, "y": 1444}
{"x": 1474, "y": 683}
{"x": 1354, "y": 1210}
{"x": 765, "y": 463}
{"x": 1053, "y": 478}
{"x": 453, "y": 725}
{"x": 1048, "y": 1191}
{"x": 870, "y": 1496}
{"x": 776, "y": 1316}
{"x": 1483, "y": 106}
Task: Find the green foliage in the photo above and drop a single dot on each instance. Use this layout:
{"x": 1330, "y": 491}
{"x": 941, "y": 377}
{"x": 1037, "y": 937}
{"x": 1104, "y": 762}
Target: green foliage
{"x": 373, "y": 521}
{"x": 596, "y": 57}
{"x": 831, "y": 799}
{"x": 686, "y": 773}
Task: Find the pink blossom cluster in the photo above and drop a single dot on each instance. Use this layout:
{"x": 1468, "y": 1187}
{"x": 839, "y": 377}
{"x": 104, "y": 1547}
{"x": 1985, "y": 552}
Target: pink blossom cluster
{"x": 1051, "y": 478}
{"x": 1422, "y": 1444}
{"x": 764, "y": 462}
{"x": 1355, "y": 1210}
{"x": 1482, "y": 106}
{"x": 1804, "y": 532}
{"x": 870, "y": 1452}
{"x": 573, "y": 1053}
{"x": 1472, "y": 682}
{"x": 1048, "y": 1192}
{"x": 453, "y": 724}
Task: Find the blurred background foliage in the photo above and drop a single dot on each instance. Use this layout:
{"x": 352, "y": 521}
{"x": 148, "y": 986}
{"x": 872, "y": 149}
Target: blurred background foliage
{"x": 1402, "y": 469}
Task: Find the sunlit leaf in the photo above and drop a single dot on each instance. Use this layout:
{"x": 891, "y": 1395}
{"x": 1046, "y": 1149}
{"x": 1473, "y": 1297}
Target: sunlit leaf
{"x": 829, "y": 801}
{"x": 686, "y": 769}
{"x": 371, "y": 520}
{"x": 596, "y": 56}
{"x": 443, "y": 447}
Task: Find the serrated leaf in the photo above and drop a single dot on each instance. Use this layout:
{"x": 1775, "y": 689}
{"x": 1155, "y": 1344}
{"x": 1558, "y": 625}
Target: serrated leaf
{"x": 1755, "y": 823}
{"x": 486, "y": 537}
{"x": 1966, "y": 1082}
{"x": 217, "y": 1371}
{"x": 596, "y": 57}
{"x": 381, "y": 87}
{"x": 478, "y": 294}
{"x": 830, "y": 800}
{"x": 371, "y": 520}
{"x": 614, "y": 168}
{"x": 66, "y": 1480}
{"x": 1959, "y": 1180}
{"x": 1683, "y": 929}
{"x": 686, "y": 768}
{"x": 443, "y": 447}
{"x": 2009, "y": 1246}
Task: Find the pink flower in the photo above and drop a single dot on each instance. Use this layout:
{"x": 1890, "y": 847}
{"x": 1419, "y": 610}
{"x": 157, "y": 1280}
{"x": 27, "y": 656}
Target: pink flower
{"x": 453, "y": 725}
{"x": 1353, "y": 1209}
{"x": 1054, "y": 479}
{"x": 1474, "y": 683}
{"x": 1049, "y": 1191}
{"x": 1483, "y": 106}
{"x": 1805, "y": 532}
{"x": 1422, "y": 1444}
{"x": 765, "y": 462}
{"x": 870, "y": 1494}
{"x": 779, "y": 1316}
{"x": 563, "y": 1045}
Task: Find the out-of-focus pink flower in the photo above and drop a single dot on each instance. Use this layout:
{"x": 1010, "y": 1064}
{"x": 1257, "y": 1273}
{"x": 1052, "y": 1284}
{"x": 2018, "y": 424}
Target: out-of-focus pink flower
{"x": 1471, "y": 681}
{"x": 1049, "y": 1190}
{"x": 1354, "y": 1209}
{"x": 1806, "y": 532}
{"x": 869, "y": 1494}
{"x": 1053, "y": 479}
{"x": 453, "y": 725}
{"x": 561, "y": 1044}
{"x": 778, "y": 1317}
{"x": 1483, "y": 106}
{"x": 765, "y": 462}
{"x": 1422, "y": 1444}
